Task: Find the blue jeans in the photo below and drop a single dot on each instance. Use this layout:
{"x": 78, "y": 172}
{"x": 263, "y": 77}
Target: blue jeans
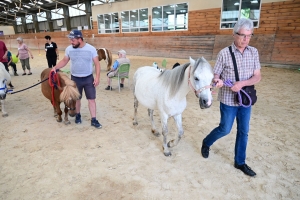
{"x": 228, "y": 114}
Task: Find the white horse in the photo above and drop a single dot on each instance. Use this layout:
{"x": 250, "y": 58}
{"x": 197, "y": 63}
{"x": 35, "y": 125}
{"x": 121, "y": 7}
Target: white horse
{"x": 167, "y": 91}
{"x": 4, "y": 81}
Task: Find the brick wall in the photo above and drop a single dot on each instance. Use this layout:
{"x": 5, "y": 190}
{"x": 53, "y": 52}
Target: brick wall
{"x": 277, "y": 38}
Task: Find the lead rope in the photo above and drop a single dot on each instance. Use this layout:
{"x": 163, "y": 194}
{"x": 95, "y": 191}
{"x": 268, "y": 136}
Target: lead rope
{"x": 53, "y": 85}
{"x": 229, "y": 83}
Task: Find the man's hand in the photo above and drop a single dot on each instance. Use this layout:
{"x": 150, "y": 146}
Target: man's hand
{"x": 237, "y": 86}
{"x": 219, "y": 83}
{"x": 96, "y": 82}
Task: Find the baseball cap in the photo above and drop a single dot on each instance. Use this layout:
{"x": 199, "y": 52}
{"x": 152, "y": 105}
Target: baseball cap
{"x": 123, "y": 52}
{"x": 75, "y": 34}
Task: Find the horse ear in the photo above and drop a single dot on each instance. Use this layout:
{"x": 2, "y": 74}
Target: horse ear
{"x": 192, "y": 61}
{"x": 204, "y": 59}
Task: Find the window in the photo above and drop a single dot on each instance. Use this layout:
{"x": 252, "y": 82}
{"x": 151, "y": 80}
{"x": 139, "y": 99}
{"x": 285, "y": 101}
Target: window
{"x": 170, "y": 17}
{"x": 135, "y": 20}
{"x": 234, "y": 10}
{"x": 41, "y": 17}
{"x": 108, "y": 23}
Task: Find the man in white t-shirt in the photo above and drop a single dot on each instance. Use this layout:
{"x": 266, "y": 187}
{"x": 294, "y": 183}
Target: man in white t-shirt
{"x": 82, "y": 56}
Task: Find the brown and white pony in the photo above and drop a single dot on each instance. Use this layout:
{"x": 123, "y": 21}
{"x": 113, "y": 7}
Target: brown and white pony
{"x": 105, "y": 54}
{"x": 66, "y": 92}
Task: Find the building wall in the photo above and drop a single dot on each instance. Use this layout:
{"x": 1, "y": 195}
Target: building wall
{"x": 7, "y": 30}
{"x": 277, "y": 38}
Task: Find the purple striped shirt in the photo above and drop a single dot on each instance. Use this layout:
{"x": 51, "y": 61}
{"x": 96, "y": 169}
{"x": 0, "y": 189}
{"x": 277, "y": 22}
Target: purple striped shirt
{"x": 247, "y": 62}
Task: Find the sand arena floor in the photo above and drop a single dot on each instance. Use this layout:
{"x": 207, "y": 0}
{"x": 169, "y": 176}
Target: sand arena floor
{"x": 44, "y": 159}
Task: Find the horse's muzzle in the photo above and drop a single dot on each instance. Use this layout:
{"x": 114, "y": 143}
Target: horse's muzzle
{"x": 204, "y": 103}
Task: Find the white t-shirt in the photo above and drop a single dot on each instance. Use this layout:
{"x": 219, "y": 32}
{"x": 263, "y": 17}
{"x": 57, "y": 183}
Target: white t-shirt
{"x": 81, "y": 59}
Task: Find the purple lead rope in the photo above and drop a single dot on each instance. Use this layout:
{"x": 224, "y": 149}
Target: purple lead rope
{"x": 228, "y": 83}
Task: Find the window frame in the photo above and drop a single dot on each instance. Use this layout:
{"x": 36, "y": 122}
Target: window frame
{"x": 167, "y": 24}
{"x": 111, "y": 28}
{"x": 230, "y": 24}
{"x": 129, "y": 27}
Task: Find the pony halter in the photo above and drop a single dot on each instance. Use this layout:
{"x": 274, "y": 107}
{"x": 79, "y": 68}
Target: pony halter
{"x": 5, "y": 87}
{"x": 191, "y": 86}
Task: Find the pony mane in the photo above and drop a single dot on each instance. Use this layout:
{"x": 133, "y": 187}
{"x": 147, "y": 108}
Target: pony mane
{"x": 70, "y": 91}
{"x": 174, "y": 78}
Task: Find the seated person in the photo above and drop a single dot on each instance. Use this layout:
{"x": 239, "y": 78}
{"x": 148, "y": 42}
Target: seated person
{"x": 11, "y": 63}
{"x": 121, "y": 60}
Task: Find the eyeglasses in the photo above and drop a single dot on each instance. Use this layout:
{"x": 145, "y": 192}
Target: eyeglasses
{"x": 244, "y": 36}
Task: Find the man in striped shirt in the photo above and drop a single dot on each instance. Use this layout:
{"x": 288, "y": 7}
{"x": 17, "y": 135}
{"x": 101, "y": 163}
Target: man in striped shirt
{"x": 248, "y": 66}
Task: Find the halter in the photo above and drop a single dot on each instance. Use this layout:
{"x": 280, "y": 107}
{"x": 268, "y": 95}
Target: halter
{"x": 69, "y": 108}
{"x": 201, "y": 89}
{"x": 5, "y": 87}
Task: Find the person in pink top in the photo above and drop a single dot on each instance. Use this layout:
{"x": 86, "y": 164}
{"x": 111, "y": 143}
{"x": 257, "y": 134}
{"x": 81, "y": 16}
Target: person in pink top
{"x": 23, "y": 54}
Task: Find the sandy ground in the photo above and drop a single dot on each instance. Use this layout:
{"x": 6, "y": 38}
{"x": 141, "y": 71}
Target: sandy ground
{"x": 44, "y": 159}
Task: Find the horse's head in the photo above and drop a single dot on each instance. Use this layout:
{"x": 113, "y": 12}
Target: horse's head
{"x": 69, "y": 96}
{"x": 71, "y": 106}
{"x": 200, "y": 78}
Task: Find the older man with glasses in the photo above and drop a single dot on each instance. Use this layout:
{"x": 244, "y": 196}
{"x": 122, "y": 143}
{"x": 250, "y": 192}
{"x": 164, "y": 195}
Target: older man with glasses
{"x": 82, "y": 56}
{"x": 248, "y": 66}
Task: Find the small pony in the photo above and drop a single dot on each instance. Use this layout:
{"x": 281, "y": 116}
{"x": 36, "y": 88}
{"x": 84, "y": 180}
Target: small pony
{"x": 4, "y": 81}
{"x": 167, "y": 93}
{"x": 66, "y": 92}
{"x": 105, "y": 54}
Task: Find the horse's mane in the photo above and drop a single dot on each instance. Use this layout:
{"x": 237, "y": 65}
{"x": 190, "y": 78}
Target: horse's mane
{"x": 174, "y": 78}
{"x": 70, "y": 91}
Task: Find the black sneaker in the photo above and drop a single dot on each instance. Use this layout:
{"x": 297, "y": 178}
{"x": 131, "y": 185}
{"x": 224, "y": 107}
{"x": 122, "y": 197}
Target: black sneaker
{"x": 246, "y": 169}
{"x": 205, "y": 150}
{"x": 11, "y": 86}
{"x": 108, "y": 88}
{"x": 78, "y": 119}
{"x": 95, "y": 123}
{"x": 121, "y": 85}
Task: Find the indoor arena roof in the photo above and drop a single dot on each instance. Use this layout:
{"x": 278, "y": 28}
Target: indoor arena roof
{"x": 12, "y": 9}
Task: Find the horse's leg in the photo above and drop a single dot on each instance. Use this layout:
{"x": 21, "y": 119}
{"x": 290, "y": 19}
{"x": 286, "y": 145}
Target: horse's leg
{"x": 164, "y": 124}
{"x": 4, "y": 114}
{"x": 135, "y": 104}
{"x": 58, "y": 111}
{"x": 66, "y": 120}
{"x": 54, "y": 111}
{"x": 153, "y": 127}
{"x": 178, "y": 121}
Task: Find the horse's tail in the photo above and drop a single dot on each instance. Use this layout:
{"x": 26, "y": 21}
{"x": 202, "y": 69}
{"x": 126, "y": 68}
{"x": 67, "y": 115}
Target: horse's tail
{"x": 109, "y": 59}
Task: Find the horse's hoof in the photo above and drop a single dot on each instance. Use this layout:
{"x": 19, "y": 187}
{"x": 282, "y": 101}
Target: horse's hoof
{"x": 167, "y": 154}
{"x": 5, "y": 115}
{"x": 157, "y": 134}
{"x": 135, "y": 123}
{"x": 169, "y": 145}
{"x": 67, "y": 122}
{"x": 59, "y": 120}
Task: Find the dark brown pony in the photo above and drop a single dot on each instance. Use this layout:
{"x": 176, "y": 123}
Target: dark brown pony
{"x": 66, "y": 92}
{"x": 105, "y": 54}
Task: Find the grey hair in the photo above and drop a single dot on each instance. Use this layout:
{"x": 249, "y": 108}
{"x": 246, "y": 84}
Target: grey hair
{"x": 243, "y": 23}
{"x": 19, "y": 38}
